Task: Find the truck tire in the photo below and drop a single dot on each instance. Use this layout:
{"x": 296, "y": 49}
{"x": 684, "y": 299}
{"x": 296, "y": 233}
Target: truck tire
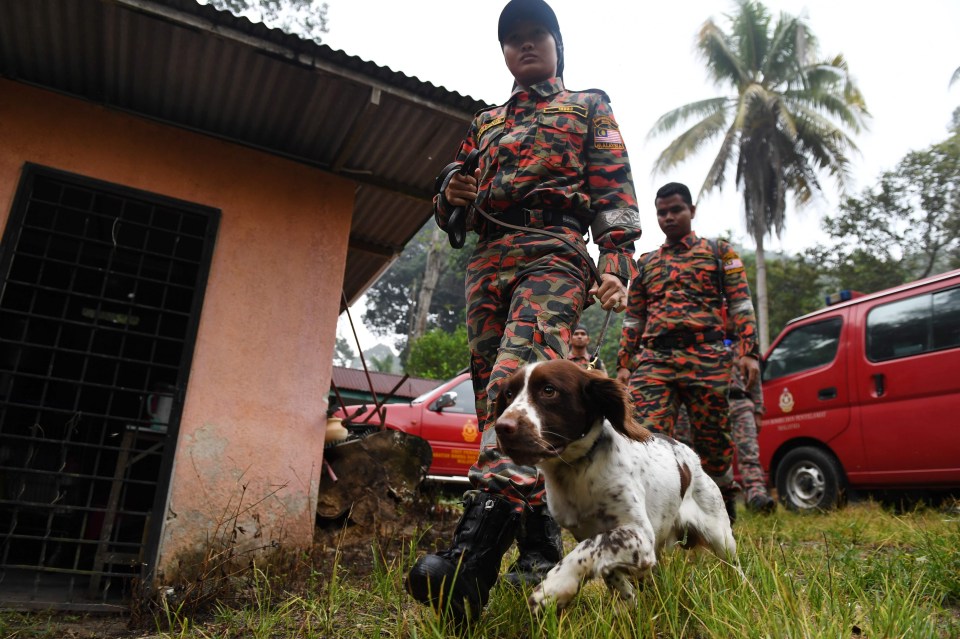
{"x": 809, "y": 478}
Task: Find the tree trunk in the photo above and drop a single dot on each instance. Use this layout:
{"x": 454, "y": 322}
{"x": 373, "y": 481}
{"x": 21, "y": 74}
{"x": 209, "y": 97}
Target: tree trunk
{"x": 431, "y": 275}
{"x": 763, "y": 315}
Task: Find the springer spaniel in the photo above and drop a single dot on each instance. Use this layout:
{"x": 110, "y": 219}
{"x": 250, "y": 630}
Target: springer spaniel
{"x": 622, "y": 491}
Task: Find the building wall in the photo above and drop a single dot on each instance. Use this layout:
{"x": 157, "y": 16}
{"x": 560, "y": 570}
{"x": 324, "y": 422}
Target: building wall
{"x": 254, "y": 412}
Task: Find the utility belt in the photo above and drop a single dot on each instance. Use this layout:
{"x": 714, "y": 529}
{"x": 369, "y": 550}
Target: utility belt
{"x": 530, "y": 219}
{"x": 736, "y": 393}
{"x": 683, "y": 339}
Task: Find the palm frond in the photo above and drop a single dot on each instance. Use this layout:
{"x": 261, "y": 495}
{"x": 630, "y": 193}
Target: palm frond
{"x": 701, "y": 109}
{"x": 715, "y": 175}
{"x": 955, "y": 77}
{"x": 723, "y": 64}
{"x": 689, "y": 142}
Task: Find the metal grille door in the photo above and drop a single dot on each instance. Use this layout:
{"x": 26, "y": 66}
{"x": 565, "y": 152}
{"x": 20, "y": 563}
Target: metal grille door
{"x": 101, "y": 295}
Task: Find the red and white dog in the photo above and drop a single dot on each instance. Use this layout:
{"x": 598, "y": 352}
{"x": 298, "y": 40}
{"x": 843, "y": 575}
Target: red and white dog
{"x": 622, "y": 491}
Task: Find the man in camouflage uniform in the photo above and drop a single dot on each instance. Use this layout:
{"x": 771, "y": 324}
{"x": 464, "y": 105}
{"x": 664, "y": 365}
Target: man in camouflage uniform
{"x": 671, "y": 347}
{"x": 553, "y": 159}
{"x": 579, "y": 353}
{"x": 746, "y": 412}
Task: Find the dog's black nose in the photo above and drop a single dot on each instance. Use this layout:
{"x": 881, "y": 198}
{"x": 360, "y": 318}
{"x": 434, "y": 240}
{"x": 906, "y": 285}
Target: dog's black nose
{"x": 506, "y": 426}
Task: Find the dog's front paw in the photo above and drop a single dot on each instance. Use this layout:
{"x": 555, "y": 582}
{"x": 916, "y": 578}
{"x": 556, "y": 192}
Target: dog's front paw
{"x": 554, "y": 589}
{"x": 620, "y": 583}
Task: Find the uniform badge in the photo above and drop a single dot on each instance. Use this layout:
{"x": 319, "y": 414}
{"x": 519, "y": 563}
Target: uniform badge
{"x": 732, "y": 264}
{"x": 492, "y": 123}
{"x": 470, "y": 432}
{"x": 786, "y": 400}
{"x": 606, "y": 133}
{"x": 572, "y": 109}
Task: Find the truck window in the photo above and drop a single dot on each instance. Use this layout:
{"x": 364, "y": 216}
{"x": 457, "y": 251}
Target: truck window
{"x": 466, "y": 403}
{"x": 915, "y": 325}
{"x": 803, "y": 348}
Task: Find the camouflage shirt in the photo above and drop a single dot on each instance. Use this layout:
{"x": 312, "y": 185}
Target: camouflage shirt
{"x": 549, "y": 149}
{"x": 584, "y": 362}
{"x": 677, "y": 292}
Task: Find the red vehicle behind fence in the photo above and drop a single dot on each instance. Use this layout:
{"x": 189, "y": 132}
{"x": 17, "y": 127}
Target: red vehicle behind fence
{"x": 446, "y": 417}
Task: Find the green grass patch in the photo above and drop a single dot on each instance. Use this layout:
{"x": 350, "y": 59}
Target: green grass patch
{"x": 857, "y": 572}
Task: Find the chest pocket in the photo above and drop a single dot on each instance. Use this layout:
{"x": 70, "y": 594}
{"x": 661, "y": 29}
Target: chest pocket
{"x": 559, "y": 139}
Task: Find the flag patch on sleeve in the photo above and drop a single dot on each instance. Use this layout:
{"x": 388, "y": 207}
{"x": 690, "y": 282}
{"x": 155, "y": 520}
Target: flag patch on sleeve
{"x": 732, "y": 263}
{"x": 606, "y": 133}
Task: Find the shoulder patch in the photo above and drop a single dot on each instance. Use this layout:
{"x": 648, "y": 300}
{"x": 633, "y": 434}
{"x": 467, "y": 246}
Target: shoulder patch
{"x": 606, "y": 133}
{"x": 490, "y": 124}
{"x": 732, "y": 263}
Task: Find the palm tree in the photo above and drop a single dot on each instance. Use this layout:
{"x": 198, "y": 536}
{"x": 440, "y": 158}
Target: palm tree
{"x": 782, "y": 124}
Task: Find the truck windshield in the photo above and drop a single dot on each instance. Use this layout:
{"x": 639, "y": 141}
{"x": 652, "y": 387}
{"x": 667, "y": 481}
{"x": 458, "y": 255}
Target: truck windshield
{"x": 803, "y": 348}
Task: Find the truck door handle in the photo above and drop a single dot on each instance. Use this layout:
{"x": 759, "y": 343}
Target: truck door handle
{"x": 880, "y": 384}
{"x": 827, "y": 393}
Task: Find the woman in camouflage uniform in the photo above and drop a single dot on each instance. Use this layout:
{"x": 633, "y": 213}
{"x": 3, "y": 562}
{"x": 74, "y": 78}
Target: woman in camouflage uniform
{"x": 549, "y": 159}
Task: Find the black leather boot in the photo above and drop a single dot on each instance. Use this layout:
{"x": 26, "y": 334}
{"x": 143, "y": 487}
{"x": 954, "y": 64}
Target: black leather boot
{"x": 457, "y": 581}
{"x": 540, "y": 546}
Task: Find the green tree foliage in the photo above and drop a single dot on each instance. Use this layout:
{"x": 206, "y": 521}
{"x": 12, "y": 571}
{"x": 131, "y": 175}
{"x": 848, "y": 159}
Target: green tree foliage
{"x": 343, "y": 353}
{"x": 439, "y": 354}
{"x": 907, "y": 227}
{"x": 390, "y": 302}
{"x": 305, "y": 18}
{"x": 383, "y": 364}
{"x": 782, "y": 123}
{"x": 796, "y": 284}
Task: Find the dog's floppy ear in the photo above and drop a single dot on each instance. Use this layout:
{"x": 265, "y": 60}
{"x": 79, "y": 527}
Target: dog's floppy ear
{"x": 611, "y": 398}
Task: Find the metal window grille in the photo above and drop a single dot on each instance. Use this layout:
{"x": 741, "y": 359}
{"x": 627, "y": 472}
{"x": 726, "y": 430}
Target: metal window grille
{"x": 100, "y": 300}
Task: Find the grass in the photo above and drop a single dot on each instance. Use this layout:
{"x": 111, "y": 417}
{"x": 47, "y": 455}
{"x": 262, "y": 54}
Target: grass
{"x": 858, "y": 572}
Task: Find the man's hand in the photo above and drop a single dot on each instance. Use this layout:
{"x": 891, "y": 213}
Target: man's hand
{"x": 623, "y": 376}
{"x": 749, "y": 370}
{"x": 758, "y": 419}
{"x": 462, "y": 189}
{"x": 612, "y": 294}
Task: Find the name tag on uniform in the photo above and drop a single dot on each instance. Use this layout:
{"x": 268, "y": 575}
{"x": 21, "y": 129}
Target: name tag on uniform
{"x": 575, "y": 109}
{"x": 492, "y": 123}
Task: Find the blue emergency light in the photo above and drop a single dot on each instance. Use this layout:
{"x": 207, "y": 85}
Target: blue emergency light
{"x": 842, "y": 296}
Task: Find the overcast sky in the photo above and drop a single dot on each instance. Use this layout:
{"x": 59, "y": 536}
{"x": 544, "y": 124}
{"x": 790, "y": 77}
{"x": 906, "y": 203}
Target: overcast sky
{"x": 902, "y": 55}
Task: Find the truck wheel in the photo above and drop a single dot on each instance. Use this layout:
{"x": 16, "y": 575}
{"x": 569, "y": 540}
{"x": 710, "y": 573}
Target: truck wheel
{"x": 809, "y": 478}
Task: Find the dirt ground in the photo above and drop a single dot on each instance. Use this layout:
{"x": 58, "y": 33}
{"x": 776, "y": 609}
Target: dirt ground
{"x": 339, "y": 543}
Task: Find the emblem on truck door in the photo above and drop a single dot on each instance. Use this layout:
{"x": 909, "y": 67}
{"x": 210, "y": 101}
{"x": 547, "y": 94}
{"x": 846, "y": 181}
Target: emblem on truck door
{"x": 786, "y": 400}
{"x": 470, "y": 432}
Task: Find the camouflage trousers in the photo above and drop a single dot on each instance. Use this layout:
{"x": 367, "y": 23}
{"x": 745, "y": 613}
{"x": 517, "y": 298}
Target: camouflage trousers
{"x": 743, "y": 429}
{"x": 524, "y": 294}
{"x": 697, "y": 377}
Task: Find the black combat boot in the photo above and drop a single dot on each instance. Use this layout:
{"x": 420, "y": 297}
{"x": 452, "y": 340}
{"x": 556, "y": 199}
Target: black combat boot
{"x": 458, "y": 581}
{"x": 540, "y": 546}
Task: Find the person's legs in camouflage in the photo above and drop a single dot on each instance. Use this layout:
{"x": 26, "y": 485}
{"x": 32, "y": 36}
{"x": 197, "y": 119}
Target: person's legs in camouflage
{"x": 744, "y": 430}
{"x": 681, "y": 432}
{"x": 524, "y": 293}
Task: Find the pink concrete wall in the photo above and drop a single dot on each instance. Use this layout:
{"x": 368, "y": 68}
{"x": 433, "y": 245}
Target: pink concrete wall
{"x": 252, "y": 424}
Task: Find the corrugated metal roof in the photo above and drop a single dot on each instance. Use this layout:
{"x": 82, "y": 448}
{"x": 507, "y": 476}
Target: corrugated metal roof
{"x": 383, "y": 383}
{"x": 207, "y": 70}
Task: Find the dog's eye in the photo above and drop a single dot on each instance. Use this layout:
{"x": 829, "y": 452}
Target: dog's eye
{"x": 508, "y": 394}
{"x": 549, "y": 391}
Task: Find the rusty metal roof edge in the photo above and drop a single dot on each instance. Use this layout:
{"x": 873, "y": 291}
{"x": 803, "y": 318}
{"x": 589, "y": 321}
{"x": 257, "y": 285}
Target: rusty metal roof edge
{"x": 307, "y": 53}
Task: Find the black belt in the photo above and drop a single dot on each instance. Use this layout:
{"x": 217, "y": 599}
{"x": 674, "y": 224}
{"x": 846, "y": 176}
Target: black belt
{"x": 736, "y": 393}
{"x": 683, "y": 339}
{"x": 521, "y": 217}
